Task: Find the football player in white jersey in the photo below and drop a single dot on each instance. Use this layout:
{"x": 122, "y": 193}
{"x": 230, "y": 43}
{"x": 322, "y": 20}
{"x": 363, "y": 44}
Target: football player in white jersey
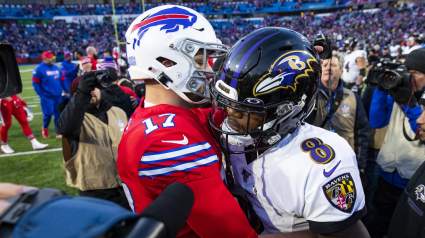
{"x": 301, "y": 180}
{"x": 355, "y": 64}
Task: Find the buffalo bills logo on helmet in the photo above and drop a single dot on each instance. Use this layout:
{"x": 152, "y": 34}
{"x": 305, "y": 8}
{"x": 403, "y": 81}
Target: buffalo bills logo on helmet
{"x": 285, "y": 72}
{"x": 171, "y": 19}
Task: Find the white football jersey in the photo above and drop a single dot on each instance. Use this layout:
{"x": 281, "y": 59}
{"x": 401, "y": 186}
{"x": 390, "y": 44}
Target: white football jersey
{"x": 350, "y": 70}
{"x": 394, "y": 49}
{"x": 309, "y": 180}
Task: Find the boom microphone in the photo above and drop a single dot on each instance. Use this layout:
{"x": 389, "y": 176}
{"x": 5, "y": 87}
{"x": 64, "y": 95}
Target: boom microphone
{"x": 166, "y": 215}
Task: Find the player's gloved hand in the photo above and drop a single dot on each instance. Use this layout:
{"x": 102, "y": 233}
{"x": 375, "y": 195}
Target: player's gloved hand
{"x": 87, "y": 83}
{"x": 326, "y": 46}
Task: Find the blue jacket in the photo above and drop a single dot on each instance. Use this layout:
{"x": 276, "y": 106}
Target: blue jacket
{"x": 46, "y": 80}
{"x": 381, "y": 108}
{"x": 69, "y": 73}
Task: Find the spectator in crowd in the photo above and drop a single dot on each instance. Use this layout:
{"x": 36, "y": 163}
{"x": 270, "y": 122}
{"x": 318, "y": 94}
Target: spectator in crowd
{"x": 78, "y": 55}
{"x": 399, "y": 156}
{"x": 92, "y": 55}
{"x": 69, "y": 73}
{"x": 340, "y": 110}
{"x": 167, "y": 139}
{"x": 91, "y": 130}
{"x": 391, "y": 24}
{"x": 85, "y": 65}
{"x": 46, "y": 80}
{"x": 15, "y": 106}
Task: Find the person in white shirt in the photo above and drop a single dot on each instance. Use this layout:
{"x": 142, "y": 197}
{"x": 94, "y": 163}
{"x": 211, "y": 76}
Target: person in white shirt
{"x": 300, "y": 180}
{"x": 355, "y": 64}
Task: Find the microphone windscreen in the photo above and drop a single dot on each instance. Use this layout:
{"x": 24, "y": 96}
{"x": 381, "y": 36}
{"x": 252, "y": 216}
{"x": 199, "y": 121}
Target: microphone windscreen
{"x": 172, "y": 207}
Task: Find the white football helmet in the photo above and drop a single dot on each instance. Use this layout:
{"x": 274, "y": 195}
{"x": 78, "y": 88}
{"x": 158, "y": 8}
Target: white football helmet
{"x": 176, "y": 46}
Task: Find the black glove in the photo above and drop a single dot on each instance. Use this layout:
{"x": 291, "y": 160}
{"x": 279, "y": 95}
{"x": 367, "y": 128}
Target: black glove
{"x": 87, "y": 83}
{"x": 323, "y": 41}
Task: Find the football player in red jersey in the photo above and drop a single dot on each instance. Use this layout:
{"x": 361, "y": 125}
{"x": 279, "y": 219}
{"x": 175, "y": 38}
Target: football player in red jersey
{"x": 15, "y": 106}
{"x": 167, "y": 139}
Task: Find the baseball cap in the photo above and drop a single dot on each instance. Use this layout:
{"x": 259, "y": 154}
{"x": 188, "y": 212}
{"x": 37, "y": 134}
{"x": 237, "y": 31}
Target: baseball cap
{"x": 47, "y": 55}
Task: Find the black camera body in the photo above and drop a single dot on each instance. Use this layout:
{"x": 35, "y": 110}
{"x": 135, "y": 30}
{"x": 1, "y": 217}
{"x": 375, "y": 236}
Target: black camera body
{"x": 106, "y": 77}
{"x": 321, "y": 40}
{"x": 394, "y": 77}
{"x": 389, "y": 74}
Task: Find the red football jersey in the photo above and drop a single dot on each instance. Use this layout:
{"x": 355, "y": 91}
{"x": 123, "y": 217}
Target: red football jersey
{"x": 165, "y": 144}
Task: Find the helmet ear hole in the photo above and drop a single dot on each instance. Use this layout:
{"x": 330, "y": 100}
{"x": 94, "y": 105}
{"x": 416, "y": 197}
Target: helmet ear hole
{"x": 166, "y": 62}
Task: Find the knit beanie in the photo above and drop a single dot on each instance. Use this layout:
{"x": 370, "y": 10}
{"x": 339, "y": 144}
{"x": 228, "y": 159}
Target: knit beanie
{"x": 416, "y": 60}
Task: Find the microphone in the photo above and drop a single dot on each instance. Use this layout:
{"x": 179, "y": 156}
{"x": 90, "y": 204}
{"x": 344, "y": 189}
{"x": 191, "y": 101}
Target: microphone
{"x": 166, "y": 215}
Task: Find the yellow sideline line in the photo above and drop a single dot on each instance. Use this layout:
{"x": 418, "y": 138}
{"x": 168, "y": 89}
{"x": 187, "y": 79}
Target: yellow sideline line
{"x": 31, "y": 152}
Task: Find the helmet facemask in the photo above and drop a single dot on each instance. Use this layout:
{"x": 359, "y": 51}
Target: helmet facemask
{"x": 200, "y": 57}
{"x": 263, "y": 126}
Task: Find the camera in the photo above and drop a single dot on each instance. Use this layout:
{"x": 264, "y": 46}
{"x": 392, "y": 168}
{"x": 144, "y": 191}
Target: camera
{"x": 106, "y": 77}
{"x": 389, "y": 74}
{"x": 392, "y": 76}
{"x": 321, "y": 40}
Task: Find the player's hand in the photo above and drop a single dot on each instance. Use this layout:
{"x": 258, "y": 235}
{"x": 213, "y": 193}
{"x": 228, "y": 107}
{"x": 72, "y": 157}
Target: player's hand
{"x": 87, "y": 83}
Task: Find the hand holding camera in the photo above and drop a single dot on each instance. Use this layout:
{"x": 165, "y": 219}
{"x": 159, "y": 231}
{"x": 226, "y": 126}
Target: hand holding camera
{"x": 96, "y": 79}
{"x": 394, "y": 78}
{"x": 88, "y": 83}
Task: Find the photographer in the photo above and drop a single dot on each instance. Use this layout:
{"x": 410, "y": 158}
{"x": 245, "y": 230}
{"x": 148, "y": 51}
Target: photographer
{"x": 340, "y": 110}
{"x": 394, "y": 104}
{"x": 92, "y": 129}
{"x": 408, "y": 220}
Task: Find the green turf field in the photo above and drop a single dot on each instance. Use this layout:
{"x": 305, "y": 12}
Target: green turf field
{"x": 41, "y": 169}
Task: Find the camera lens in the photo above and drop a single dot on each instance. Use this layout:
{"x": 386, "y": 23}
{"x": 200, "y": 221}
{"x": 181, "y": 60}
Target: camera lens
{"x": 106, "y": 77}
{"x": 389, "y": 79}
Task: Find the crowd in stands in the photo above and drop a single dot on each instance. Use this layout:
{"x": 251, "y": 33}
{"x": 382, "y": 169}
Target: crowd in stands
{"x": 218, "y": 7}
{"x": 383, "y": 27}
